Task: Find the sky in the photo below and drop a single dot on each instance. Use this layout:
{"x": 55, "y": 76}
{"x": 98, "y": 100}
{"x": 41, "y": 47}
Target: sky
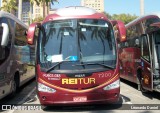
{"x": 118, "y": 6}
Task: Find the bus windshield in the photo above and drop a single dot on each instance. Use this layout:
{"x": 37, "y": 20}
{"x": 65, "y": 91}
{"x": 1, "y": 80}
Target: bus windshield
{"x": 77, "y": 41}
{"x": 157, "y": 44}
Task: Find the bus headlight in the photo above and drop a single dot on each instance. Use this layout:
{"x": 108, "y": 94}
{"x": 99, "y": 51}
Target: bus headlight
{"x": 114, "y": 85}
{"x": 44, "y": 88}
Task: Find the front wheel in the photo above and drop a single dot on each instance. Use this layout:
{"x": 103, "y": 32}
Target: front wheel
{"x": 13, "y": 88}
{"x": 139, "y": 75}
{"x": 141, "y": 86}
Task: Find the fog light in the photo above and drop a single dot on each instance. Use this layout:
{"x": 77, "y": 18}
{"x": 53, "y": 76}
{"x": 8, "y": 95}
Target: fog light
{"x": 43, "y": 98}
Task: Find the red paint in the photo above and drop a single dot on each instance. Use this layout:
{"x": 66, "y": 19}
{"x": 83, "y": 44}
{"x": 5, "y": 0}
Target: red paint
{"x": 72, "y": 91}
{"x": 132, "y": 63}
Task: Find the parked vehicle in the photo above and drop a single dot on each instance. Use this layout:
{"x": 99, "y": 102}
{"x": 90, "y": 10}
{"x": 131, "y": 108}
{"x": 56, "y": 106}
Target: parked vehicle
{"x": 140, "y": 53}
{"x": 76, "y": 57}
{"x": 16, "y": 58}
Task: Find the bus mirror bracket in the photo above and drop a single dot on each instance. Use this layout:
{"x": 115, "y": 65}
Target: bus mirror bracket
{"x": 120, "y": 30}
{"x": 31, "y": 32}
{"x": 4, "y": 34}
{"x": 143, "y": 35}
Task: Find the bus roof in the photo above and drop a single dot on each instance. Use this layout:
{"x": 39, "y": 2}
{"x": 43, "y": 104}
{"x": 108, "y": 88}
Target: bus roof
{"x": 77, "y": 10}
{"x": 11, "y": 16}
{"x": 141, "y": 18}
{"x": 74, "y": 12}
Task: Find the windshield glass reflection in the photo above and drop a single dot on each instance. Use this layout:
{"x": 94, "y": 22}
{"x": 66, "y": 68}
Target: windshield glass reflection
{"x": 78, "y": 41}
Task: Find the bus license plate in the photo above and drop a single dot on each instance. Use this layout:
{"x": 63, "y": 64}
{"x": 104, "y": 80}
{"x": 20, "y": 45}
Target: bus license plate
{"x": 80, "y": 99}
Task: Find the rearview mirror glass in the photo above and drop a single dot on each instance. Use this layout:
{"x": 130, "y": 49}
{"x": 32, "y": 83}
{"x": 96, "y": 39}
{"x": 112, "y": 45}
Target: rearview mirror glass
{"x": 4, "y": 34}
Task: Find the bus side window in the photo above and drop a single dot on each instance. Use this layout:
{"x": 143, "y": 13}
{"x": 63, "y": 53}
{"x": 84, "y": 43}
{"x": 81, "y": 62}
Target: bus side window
{"x": 36, "y": 35}
{"x": 145, "y": 48}
{"x": 139, "y": 29}
{"x": 4, "y": 51}
{"x": 32, "y": 47}
{"x": 22, "y": 48}
{"x": 20, "y": 38}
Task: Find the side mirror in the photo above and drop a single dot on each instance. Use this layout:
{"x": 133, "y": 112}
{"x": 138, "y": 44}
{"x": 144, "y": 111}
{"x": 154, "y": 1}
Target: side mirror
{"x": 31, "y": 32}
{"x": 120, "y": 30}
{"x": 137, "y": 42}
{"x": 4, "y": 34}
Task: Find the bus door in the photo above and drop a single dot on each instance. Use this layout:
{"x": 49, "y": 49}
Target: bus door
{"x": 146, "y": 78}
{"x": 156, "y": 59}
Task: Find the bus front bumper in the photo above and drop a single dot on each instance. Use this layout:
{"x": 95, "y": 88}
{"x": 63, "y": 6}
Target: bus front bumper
{"x": 47, "y": 99}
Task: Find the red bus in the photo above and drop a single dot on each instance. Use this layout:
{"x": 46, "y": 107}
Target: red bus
{"x": 140, "y": 53}
{"x": 16, "y": 60}
{"x": 76, "y": 57}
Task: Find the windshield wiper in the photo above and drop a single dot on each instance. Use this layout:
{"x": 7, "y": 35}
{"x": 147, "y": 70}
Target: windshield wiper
{"x": 104, "y": 65}
{"x": 58, "y": 63}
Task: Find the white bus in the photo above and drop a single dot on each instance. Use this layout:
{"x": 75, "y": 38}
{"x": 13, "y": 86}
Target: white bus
{"x": 16, "y": 60}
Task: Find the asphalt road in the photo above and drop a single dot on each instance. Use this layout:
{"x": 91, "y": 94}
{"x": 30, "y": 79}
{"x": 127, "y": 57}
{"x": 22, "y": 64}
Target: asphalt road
{"x": 131, "y": 100}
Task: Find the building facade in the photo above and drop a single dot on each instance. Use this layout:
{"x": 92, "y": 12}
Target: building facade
{"x": 52, "y": 11}
{"x": 0, "y": 3}
{"x": 26, "y": 12}
{"x": 29, "y": 11}
{"x": 98, "y": 5}
{"x": 32, "y": 11}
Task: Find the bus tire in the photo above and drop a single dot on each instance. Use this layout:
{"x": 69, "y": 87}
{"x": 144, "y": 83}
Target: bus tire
{"x": 15, "y": 86}
{"x": 140, "y": 86}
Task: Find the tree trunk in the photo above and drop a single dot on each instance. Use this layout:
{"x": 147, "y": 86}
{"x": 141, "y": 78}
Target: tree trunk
{"x": 48, "y": 8}
{"x": 44, "y": 7}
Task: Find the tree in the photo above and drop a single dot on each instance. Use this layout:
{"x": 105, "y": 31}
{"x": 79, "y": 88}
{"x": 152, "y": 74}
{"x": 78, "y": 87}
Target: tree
{"x": 38, "y": 19}
{"x": 108, "y": 15}
{"x": 44, "y": 3}
{"x": 9, "y": 6}
{"x": 126, "y": 18}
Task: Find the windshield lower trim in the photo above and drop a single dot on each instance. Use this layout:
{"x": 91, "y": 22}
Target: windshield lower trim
{"x": 78, "y": 71}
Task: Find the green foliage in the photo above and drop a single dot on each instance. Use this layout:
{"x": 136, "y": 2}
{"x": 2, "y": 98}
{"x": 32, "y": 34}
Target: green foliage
{"x": 44, "y": 1}
{"x": 39, "y": 19}
{"x": 126, "y": 18}
{"x": 108, "y": 15}
{"x": 9, "y": 5}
